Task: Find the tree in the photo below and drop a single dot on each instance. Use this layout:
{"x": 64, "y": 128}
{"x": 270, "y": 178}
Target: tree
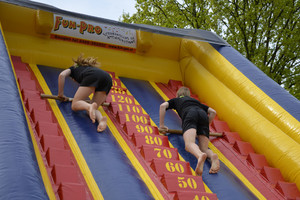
{"x": 171, "y": 14}
{"x": 266, "y": 32}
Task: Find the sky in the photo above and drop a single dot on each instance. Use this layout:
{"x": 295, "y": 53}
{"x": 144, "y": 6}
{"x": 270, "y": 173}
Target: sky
{"x": 107, "y": 9}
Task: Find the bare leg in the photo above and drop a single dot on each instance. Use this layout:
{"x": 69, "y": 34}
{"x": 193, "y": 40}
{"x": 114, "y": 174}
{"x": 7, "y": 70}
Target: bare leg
{"x": 79, "y": 103}
{"x": 203, "y": 145}
{"x": 189, "y": 139}
{"x": 92, "y": 111}
{"x": 102, "y": 120}
{"x": 98, "y": 98}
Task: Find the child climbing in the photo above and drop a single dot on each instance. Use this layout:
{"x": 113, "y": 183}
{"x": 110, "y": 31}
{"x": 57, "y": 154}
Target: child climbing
{"x": 196, "y": 118}
{"x": 91, "y": 79}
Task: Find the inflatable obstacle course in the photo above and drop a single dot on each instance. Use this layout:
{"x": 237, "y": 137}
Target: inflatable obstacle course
{"x": 148, "y": 66}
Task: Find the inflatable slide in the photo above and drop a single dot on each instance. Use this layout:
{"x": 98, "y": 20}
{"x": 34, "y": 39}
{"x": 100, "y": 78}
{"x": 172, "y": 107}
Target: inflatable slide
{"x": 48, "y": 151}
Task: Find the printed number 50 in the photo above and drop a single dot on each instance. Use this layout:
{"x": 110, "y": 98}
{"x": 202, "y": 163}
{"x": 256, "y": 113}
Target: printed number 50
{"x": 189, "y": 182}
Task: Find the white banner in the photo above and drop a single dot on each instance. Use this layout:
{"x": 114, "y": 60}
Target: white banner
{"x": 92, "y": 33}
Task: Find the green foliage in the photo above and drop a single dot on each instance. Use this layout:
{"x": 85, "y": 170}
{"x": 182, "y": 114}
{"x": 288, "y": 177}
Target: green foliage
{"x": 171, "y": 14}
{"x": 266, "y": 32}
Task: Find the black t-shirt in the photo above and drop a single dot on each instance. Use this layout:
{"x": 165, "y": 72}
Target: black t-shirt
{"x": 183, "y": 104}
{"x": 77, "y": 73}
{"x": 89, "y": 76}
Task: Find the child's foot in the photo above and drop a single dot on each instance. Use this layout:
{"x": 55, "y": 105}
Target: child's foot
{"x": 215, "y": 164}
{"x": 92, "y": 111}
{"x": 200, "y": 164}
{"x": 102, "y": 124}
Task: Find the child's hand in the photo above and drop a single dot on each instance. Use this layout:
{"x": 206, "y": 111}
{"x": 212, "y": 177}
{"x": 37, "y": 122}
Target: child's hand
{"x": 63, "y": 98}
{"x": 163, "y": 129}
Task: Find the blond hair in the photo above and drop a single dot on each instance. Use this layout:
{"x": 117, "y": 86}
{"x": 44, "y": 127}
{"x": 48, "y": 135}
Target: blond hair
{"x": 183, "y": 91}
{"x": 88, "y": 61}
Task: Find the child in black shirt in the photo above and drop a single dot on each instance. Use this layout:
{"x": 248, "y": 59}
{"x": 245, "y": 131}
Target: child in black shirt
{"x": 196, "y": 118}
{"x": 92, "y": 80}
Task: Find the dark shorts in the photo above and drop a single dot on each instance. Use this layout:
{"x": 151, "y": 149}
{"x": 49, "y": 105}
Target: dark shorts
{"x": 99, "y": 79}
{"x": 197, "y": 119}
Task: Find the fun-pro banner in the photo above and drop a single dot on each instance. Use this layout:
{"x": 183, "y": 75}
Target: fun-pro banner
{"x": 93, "y": 33}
